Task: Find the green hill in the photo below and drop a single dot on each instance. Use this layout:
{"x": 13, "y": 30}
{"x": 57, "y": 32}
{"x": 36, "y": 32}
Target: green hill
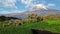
{"x": 49, "y": 24}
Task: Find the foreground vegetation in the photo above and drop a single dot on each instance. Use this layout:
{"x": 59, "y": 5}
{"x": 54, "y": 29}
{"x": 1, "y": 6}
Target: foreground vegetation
{"x": 49, "y": 23}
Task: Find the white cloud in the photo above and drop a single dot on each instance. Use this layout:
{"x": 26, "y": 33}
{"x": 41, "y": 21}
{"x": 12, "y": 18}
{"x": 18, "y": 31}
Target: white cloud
{"x": 8, "y": 3}
{"x": 7, "y": 12}
{"x": 43, "y": 1}
{"x": 26, "y": 1}
{"x": 31, "y": 3}
{"x": 11, "y": 3}
{"x": 50, "y": 4}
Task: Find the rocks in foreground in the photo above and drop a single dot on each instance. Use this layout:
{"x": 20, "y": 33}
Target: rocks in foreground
{"x": 35, "y": 31}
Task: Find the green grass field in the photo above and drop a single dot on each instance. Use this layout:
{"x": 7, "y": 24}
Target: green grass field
{"x": 52, "y": 25}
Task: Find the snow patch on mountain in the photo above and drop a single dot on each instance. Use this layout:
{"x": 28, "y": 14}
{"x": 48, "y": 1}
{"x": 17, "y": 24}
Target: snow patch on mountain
{"x": 40, "y": 6}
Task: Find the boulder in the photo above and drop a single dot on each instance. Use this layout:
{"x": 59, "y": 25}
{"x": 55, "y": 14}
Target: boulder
{"x": 35, "y": 31}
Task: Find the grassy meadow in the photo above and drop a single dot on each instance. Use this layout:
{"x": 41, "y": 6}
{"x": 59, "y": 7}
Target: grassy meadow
{"x": 49, "y": 23}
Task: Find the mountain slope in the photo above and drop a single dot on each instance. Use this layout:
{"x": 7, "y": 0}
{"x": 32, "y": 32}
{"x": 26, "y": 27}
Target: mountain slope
{"x": 35, "y": 10}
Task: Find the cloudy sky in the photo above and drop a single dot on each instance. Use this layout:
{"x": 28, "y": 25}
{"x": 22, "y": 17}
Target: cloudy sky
{"x": 16, "y": 6}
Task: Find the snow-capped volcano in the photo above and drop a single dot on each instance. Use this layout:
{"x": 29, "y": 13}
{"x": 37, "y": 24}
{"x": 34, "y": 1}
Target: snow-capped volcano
{"x": 37, "y": 9}
{"x": 40, "y": 6}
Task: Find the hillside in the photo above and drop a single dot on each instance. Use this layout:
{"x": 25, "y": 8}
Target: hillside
{"x": 35, "y": 10}
{"x": 50, "y": 23}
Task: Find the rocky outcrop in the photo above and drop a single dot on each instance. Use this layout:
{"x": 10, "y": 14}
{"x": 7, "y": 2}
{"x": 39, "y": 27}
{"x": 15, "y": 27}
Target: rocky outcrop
{"x": 35, "y": 31}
